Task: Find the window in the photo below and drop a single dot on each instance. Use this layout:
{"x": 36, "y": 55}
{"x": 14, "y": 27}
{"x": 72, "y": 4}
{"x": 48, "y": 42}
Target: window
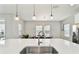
{"x": 19, "y": 29}
{"x": 2, "y": 29}
{"x": 38, "y": 29}
{"x": 67, "y": 30}
{"x": 74, "y": 28}
{"x": 45, "y": 29}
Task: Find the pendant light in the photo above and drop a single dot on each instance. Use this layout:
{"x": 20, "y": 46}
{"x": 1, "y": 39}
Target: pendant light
{"x": 71, "y": 4}
{"x": 34, "y": 16}
{"x": 51, "y": 12}
{"x": 17, "y": 17}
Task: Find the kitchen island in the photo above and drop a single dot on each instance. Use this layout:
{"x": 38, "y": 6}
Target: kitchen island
{"x": 14, "y": 46}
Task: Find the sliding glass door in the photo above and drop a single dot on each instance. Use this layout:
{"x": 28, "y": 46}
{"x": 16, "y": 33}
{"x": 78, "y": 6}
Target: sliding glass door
{"x": 2, "y": 29}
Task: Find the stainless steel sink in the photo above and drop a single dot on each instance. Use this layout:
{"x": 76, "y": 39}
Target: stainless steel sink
{"x": 39, "y": 50}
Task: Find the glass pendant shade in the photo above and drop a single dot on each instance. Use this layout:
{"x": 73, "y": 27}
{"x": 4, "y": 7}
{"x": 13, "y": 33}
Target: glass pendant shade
{"x": 71, "y": 4}
{"x": 17, "y": 18}
{"x": 51, "y": 16}
{"x": 51, "y": 13}
{"x": 34, "y": 16}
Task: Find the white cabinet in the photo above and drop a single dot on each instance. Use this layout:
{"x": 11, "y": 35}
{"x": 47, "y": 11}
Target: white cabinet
{"x": 77, "y": 18}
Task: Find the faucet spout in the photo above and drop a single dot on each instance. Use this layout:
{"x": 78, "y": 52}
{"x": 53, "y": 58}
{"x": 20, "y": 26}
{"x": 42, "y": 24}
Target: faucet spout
{"x": 40, "y": 34}
{"x": 39, "y": 42}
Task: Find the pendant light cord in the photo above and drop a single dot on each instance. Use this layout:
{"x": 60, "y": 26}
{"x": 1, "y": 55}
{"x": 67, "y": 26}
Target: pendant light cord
{"x": 51, "y": 10}
{"x": 16, "y": 10}
{"x": 34, "y": 10}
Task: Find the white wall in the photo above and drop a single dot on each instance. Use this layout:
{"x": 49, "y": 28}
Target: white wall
{"x": 11, "y": 26}
{"x": 69, "y": 20}
{"x": 30, "y": 27}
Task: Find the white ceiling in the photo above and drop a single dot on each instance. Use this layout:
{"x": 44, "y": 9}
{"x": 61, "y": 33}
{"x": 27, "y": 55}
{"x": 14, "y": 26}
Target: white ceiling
{"x": 25, "y": 11}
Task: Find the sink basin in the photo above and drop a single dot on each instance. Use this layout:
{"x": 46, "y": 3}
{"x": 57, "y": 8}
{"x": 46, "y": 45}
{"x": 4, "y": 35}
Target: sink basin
{"x": 38, "y": 50}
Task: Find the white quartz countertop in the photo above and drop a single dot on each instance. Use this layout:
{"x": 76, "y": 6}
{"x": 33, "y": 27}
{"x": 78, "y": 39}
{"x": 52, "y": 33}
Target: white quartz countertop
{"x": 14, "y": 46}
{"x": 65, "y": 47}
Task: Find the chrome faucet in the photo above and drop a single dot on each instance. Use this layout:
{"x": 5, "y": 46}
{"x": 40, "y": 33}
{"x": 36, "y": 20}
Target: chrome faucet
{"x": 39, "y": 42}
{"x": 39, "y": 35}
